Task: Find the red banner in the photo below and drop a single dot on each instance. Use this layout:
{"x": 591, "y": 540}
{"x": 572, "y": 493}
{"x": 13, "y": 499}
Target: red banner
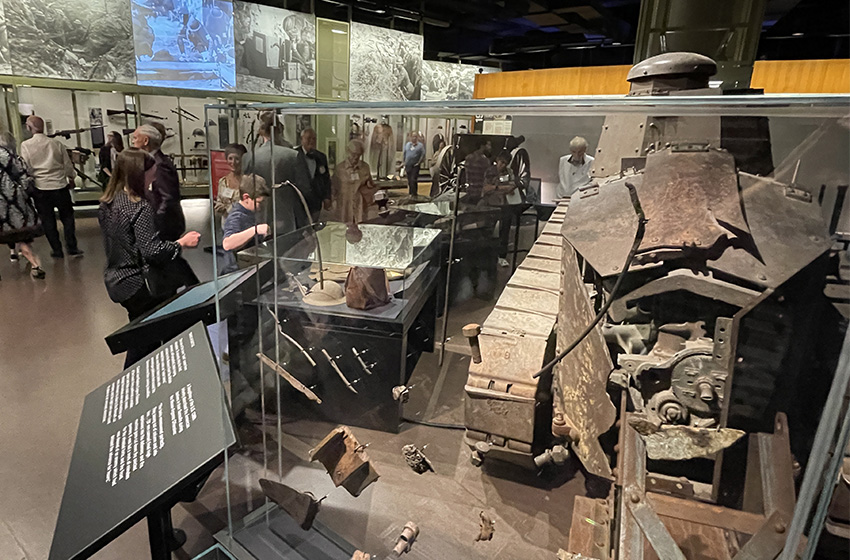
{"x": 218, "y": 168}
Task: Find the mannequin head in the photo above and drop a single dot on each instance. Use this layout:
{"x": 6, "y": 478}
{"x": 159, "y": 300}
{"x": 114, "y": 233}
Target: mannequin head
{"x": 354, "y": 151}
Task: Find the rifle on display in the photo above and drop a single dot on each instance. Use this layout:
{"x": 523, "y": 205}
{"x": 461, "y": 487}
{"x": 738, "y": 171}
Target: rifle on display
{"x": 184, "y": 113}
{"x": 113, "y": 112}
{"x": 67, "y": 133}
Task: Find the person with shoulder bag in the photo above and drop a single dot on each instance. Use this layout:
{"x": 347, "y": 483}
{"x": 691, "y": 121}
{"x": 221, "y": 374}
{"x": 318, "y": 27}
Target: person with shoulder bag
{"x": 19, "y": 221}
{"x": 139, "y": 265}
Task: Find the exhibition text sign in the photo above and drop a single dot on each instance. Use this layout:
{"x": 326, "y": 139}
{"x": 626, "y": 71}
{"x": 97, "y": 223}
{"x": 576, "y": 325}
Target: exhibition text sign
{"x": 140, "y": 435}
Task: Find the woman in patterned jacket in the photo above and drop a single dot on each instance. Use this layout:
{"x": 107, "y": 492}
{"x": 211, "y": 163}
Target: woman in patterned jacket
{"x": 131, "y": 242}
{"x": 19, "y": 223}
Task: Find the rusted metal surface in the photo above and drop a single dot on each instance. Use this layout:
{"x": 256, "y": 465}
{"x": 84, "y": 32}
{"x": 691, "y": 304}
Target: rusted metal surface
{"x": 602, "y": 227}
{"x": 301, "y": 506}
{"x": 769, "y": 485}
{"x": 500, "y": 414}
{"x": 581, "y": 378}
{"x": 698, "y": 542}
{"x": 500, "y": 389}
{"x": 691, "y": 200}
{"x": 590, "y": 532}
{"x": 622, "y": 137}
{"x": 704, "y": 285}
{"x": 768, "y": 541}
{"x": 632, "y": 477}
{"x": 346, "y": 460}
{"x": 653, "y": 529}
{"x": 706, "y": 514}
{"x": 777, "y": 222}
{"x": 677, "y": 443}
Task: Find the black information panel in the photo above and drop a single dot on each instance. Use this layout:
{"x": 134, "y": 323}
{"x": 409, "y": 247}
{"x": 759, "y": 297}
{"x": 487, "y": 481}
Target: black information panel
{"x": 141, "y": 436}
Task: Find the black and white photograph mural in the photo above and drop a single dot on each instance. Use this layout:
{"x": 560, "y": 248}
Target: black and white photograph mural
{"x": 71, "y": 39}
{"x": 5, "y": 61}
{"x": 275, "y": 50}
{"x": 386, "y": 65}
{"x": 450, "y": 81}
{"x": 184, "y": 44}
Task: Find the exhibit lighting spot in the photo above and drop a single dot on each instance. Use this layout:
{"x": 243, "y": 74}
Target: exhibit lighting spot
{"x": 338, "y": 31}
{"x": 797, "y": 34}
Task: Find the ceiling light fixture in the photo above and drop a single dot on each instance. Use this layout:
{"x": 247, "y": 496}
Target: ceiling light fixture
{"x": 798, "y": 34}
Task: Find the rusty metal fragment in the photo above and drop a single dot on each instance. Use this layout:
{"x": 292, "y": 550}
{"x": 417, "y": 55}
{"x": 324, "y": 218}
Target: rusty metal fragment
{"x": 486, "y": 527}
{"x": 300, "y": 387}
{"x": 406, "y": 539}
{"x": 346, "y": 460}
{"x": 301, "y": 506}
{"x": 677, "y": 443}
{"x": 416, "y": 459}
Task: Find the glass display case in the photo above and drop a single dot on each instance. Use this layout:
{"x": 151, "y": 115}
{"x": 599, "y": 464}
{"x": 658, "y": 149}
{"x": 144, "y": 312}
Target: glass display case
{"x": 472, "y": 410}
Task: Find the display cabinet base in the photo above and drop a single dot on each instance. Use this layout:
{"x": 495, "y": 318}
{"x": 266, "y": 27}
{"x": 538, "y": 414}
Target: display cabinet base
{"x": 270, "y": 534}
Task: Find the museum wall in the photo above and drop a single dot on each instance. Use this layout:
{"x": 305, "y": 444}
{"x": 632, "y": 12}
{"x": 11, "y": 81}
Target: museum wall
{"x": 220, "y": 46}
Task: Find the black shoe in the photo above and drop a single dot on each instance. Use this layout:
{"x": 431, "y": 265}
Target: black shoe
{"x": 13, "y": 256}
{"x": 76, "y": 253}
{"x": 59, "y": 255}
{"x": 37, "y": 273}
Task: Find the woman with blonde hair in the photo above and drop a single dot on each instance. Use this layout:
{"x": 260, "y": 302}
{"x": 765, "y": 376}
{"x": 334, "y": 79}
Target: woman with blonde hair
{"x": 131, "y": 241}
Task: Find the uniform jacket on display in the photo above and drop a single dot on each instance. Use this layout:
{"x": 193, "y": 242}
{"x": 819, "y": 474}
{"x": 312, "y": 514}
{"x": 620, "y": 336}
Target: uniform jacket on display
{"x": 164, "y": 196}
{"x": 315, "y": 164}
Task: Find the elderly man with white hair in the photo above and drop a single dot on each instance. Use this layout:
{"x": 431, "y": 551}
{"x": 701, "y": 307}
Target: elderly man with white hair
{"x": 163, "y": 185}
{"x": 574, "y": 169}
{"x": 50, "y": 165}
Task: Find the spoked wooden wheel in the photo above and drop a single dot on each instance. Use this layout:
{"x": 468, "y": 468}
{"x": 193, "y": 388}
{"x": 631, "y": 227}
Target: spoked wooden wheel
{"x": 521, "y": 166}
{"x": 446, "y": 167}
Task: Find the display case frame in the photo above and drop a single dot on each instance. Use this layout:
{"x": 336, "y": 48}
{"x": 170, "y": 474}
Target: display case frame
{"x": 825, "y": 107}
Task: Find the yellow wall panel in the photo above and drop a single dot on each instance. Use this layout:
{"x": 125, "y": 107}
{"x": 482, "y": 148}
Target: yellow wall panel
{"x": 590, "y": 80}
{"x": 802, "y": 76}
{"x": 774, "y": 76}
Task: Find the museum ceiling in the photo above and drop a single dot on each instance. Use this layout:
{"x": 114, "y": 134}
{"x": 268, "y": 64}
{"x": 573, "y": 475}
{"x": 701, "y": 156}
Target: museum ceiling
{"x": 520, "y": 34}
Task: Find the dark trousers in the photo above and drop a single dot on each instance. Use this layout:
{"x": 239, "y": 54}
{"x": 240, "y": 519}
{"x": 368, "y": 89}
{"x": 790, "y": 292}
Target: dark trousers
{"x": 505, "y": 221}
{"x": 412, "y": 179}
{"x": 139, "y": 303}
{"x": 46, "y": 203}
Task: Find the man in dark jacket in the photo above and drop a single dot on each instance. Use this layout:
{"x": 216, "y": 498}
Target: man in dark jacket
{"x": 163, "y": 185}
{"x": 315, "y": 163}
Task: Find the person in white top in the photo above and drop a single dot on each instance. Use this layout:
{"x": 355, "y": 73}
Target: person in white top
{"x": 574, "y": 169}
{"x": 50, "y": 165}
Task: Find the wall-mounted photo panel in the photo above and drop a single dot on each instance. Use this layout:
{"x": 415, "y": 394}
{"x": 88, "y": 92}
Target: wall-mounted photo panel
{"x": 275, "y": 50}
{"x": 71, "y": 39}
{"x": 443, "y": 81}
{"x": 185, "y": 44}
{"x": 5, "y": 59}
{"x": 386, "y": 65}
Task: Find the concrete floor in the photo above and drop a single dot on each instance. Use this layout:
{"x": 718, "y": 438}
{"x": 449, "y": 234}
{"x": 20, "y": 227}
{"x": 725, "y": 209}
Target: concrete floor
{"x": 53, "y": 354}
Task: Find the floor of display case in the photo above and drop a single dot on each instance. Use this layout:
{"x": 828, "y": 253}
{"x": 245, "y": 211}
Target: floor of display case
{"x": 532, "y": 513}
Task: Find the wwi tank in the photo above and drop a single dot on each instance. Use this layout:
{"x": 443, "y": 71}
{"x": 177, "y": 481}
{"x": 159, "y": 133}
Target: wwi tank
{"x": 684, "y": 281}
